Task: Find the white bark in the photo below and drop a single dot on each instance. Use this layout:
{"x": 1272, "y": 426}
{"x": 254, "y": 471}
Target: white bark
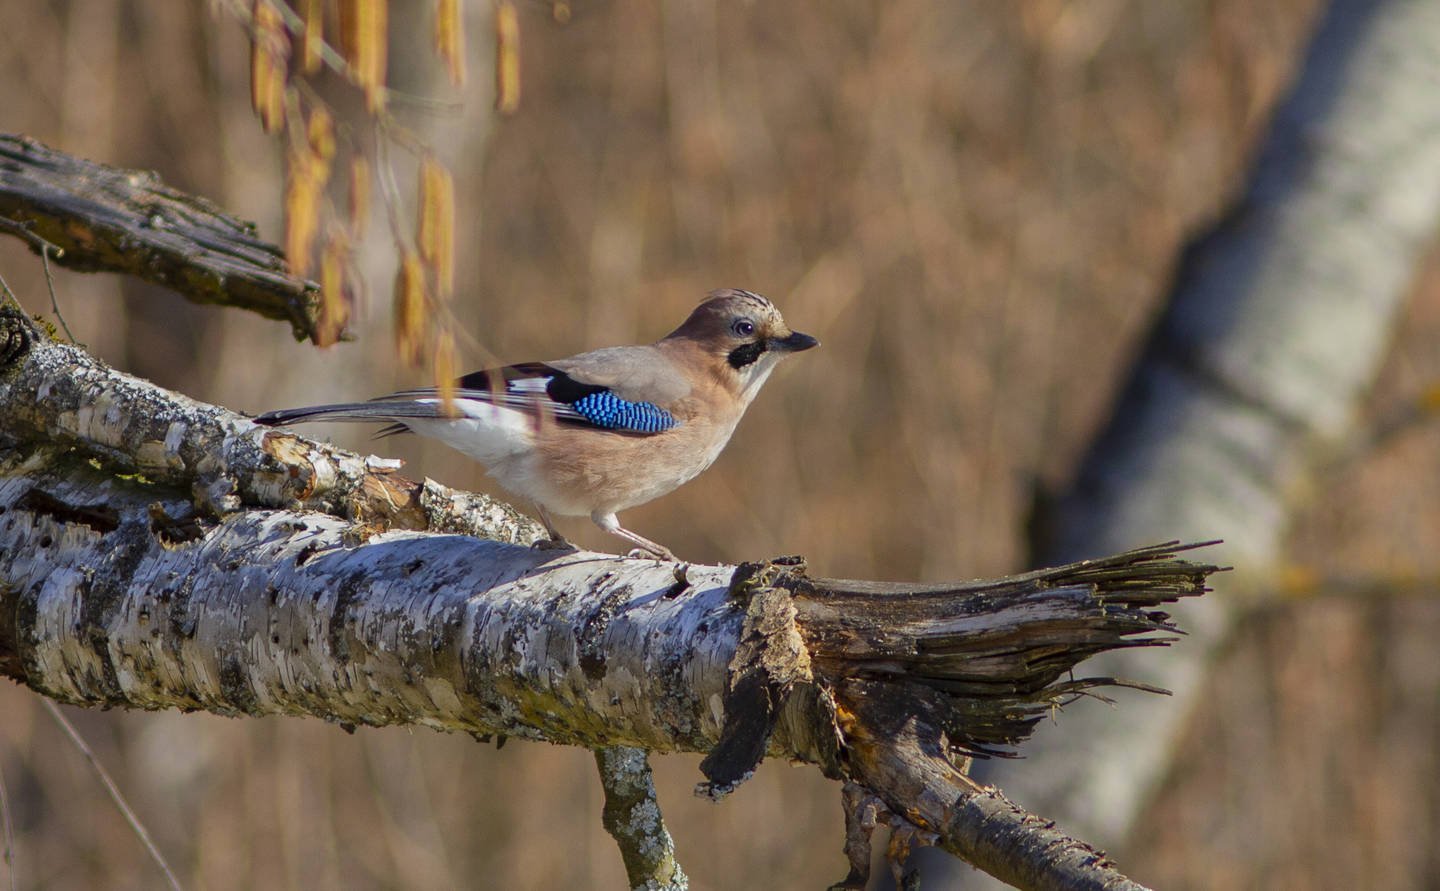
{"x": 1278, "y": 322}
{"x": 281, "y": 612}
{"x": 144, "y": 564}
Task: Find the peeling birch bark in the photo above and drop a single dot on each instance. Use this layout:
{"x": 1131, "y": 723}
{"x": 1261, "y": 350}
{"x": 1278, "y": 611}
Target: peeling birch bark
{"x": 61, "y": 396}
{"x": 125, "y": 581}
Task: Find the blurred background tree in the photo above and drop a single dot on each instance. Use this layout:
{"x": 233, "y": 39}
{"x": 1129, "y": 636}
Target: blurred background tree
{"x": 978, "y": 208}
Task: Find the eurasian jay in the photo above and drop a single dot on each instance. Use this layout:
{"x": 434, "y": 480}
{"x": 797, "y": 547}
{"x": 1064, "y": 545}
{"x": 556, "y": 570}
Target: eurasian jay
{"x": 605, "y": 430}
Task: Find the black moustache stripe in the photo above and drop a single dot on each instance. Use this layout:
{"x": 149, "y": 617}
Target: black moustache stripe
{"x": 746, "y": 354}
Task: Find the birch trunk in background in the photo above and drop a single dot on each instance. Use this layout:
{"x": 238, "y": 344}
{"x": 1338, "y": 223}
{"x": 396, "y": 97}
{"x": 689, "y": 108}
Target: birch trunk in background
{"x": 1278, "y": 321}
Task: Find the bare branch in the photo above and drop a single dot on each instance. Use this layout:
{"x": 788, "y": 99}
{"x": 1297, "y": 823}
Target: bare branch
{"x": 126, "y": 580}
{"x": 912, "y": 773}
{"x": 114, "y": 792}
{"x": 101, "y": 218}
{"x": 632, "y": 817}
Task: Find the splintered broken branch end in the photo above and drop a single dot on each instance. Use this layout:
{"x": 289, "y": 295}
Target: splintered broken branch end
{"x": 268, "y": 574}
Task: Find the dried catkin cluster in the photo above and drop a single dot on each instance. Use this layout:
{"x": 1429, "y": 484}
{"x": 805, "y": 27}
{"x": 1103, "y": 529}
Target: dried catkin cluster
{"x": 507, "y": 58}
{"x": 450, "y": 39}
{"x": 288, "y": 45}
{"x": 364, "y": 26}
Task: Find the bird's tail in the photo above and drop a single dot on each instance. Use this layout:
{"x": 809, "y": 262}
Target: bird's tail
{"x": 363, "y": 412}
{"x": 483, "y": 431}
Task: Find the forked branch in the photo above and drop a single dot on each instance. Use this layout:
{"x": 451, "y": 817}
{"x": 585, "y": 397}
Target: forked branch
{"x": 296, "y": 593}
{"x": 157, "y": 553}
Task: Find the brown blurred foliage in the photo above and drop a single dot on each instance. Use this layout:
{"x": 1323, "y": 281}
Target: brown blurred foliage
{"x": 975, "y": 205}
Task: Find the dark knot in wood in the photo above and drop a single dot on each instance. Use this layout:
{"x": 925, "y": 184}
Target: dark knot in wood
{"x": 17, "y": 334}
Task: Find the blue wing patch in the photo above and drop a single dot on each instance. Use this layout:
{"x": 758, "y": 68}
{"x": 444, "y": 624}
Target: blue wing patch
{"x": 604, "y": 409}
{"x": 551, "y": 392}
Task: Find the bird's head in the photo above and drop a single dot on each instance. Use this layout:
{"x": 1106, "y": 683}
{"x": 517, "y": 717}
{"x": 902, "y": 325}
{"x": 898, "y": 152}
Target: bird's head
{"x": 746, "y": 332}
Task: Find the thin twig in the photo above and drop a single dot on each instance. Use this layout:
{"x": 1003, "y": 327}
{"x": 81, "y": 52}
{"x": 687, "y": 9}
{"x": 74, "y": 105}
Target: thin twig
{"x": 8, "y": 857}
{"x": 114, "y": 791}
{"x": 389, "y": 188}
{"x": 50, "y": 285}
{"x": 43, "y": 248}
{"x": 25, "y": 233}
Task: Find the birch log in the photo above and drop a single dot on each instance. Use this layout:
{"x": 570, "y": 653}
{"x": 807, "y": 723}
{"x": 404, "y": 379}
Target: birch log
{"x": 126, "y": 581}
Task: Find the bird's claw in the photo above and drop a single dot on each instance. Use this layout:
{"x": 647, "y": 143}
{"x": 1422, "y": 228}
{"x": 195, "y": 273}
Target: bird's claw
{"x": 649, "y": 554}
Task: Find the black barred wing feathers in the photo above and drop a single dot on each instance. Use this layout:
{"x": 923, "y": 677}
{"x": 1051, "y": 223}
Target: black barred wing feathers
{"x": 548, "y": 390}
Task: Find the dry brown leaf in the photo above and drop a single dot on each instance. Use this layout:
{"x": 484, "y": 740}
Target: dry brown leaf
{"x": 364, "y": 26}
{"x": 334, "y": 302}
{"x": 321, "y": 135}
{"x": 302, "y": 208}
{"x": 359, "y": 196}
{"x": 445, "y": 372}
{"x": 313, "y": 37}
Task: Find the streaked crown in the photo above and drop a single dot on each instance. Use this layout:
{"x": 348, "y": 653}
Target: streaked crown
{"x": 743, "y": 326}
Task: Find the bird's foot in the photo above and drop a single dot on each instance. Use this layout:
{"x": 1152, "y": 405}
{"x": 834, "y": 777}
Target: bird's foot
{"x": 558, "y": 543}
{"x": 647, "y": 549}
{"x": 657, "y": 552}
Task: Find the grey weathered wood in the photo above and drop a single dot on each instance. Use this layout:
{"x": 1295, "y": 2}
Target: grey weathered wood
{"x": 976, "y": 823}
{"x": 104, "y": 218}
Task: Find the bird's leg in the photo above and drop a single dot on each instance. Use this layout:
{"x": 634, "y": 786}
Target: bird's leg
{"x": 611, "y": 523}
{"x": 556, "y": 541}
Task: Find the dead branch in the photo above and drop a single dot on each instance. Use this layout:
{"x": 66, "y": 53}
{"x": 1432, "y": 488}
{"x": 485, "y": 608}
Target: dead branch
{"x": 125, "y": 582}
{"x": 101, "y": 218}
{"x": 632, "y": 817}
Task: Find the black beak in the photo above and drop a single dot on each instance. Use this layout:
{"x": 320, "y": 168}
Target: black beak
{"x": 796, "y": 342}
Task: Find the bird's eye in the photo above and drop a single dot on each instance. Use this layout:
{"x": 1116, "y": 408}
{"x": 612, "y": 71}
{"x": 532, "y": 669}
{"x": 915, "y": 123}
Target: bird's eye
{"x": 743, "y": 327}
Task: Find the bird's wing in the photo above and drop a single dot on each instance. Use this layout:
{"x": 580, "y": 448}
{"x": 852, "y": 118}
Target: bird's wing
{"x": 615, "y": 389}
{"x": 634, "y": 373}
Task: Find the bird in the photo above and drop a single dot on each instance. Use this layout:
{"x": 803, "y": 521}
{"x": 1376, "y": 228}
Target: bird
{"x": 605, "y": 430}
